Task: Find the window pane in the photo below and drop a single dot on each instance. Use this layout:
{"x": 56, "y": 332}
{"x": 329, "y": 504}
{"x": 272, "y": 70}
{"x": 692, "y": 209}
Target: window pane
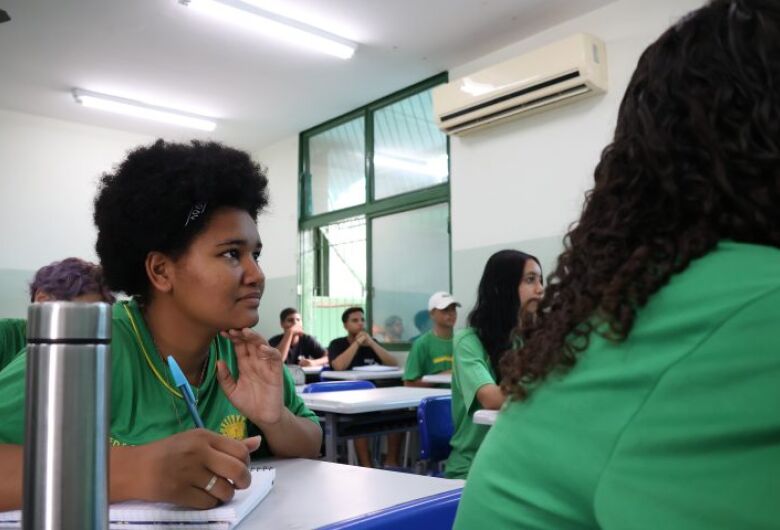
{"x": 337, "y": 168}
{"x": 334, "y": 276}
{"x": 411, "y": 261}
{"x": 410, "y": 152}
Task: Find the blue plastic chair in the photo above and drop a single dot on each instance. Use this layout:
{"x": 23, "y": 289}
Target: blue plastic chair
{"x": 434, "y": 420}
{"x": 335, "y": 386}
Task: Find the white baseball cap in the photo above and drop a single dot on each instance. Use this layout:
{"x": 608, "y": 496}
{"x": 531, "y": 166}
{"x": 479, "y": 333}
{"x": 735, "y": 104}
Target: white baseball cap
{"x": 441, "y": 300}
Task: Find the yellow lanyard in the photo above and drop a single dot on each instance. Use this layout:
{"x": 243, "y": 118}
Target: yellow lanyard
{"x": 149, "y": 361}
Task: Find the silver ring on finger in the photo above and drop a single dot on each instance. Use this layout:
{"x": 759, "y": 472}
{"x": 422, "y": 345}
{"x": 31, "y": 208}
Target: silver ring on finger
{"x": 211, "y": 483}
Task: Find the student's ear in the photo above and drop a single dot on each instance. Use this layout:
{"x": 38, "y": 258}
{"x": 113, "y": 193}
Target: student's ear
{"x": 42, "y": 296}
{"x": 159, "y": 270}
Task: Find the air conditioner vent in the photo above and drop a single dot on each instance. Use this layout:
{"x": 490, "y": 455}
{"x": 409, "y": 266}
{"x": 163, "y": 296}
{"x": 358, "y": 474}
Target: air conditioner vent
{"x": 560, "y": 72}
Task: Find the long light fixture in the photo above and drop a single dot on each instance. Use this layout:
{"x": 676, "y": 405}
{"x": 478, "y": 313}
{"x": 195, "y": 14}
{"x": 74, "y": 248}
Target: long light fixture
{"x": 274, "y": 25}
{"x": 137, "y": 109}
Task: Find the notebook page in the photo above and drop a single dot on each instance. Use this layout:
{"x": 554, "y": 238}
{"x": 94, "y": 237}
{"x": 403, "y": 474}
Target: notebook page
{"x": 139, "y": 514}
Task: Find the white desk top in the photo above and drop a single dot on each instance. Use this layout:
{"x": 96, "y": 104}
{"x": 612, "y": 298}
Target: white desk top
{"x": 312, "y": 493}
{"x": 356, "y": 375}
{"x": 372, "y": 400}
{"x": 439, "y": 379}
{"x": 311, "y": 369}
{"x": 485, "y": 417}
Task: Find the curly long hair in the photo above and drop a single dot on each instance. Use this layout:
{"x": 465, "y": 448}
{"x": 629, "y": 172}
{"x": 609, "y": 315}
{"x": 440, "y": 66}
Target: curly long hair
{"x": 496, "y": 311}
{"x": 695, "y": 160}
{"x": 162, "y": 196}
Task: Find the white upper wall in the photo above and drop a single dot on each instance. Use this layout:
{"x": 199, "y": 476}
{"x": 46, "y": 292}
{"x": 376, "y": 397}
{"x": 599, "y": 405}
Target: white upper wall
{"x": 278, "y": 225}
{"x": 526, "y": 179}
{"x": 49, "y": 171}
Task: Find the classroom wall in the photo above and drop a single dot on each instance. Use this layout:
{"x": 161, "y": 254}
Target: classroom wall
{"x": 49, "y": 171}
{"x": 537, "y": 169}
{"x": 278, "y": 227}
{"x": 519, "y": 184}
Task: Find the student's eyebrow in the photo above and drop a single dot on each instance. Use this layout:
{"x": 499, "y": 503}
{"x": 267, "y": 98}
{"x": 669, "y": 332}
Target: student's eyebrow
{"x": 239, "y": 242}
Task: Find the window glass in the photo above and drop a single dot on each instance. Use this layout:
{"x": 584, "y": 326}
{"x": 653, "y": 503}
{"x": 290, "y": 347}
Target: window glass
{"x": 334, "y": 275}
{"x": 410, "y": 152}
{"x": 337, "y": 168}
{"x": 411, "y": 261}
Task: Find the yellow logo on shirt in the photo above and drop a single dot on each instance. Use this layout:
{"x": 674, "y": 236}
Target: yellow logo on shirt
{"x": 442, "y": 359}
{"x": 233, "y": 426}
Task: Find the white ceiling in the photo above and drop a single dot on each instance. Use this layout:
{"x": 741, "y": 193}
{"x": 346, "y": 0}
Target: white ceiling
{"x": 259, "y": 90}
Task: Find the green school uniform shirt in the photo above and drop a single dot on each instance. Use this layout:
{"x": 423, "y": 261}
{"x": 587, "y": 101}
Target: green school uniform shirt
{"x": 142, "y": 408}
{"x": 677, "y": 427}
{"x": 13, "y": 339}
{"x": 429, "y": 355}
{"x": 471, "y": 371}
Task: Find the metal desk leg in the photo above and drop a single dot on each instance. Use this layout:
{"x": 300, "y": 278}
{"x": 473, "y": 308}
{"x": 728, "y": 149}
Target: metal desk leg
{"x": 331, "y": 437}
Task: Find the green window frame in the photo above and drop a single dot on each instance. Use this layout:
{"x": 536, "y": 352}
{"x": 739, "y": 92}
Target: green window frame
{"x": 372, "y": 208}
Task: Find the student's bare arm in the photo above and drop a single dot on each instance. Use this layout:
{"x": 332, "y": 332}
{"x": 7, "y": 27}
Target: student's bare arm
{"x": 491, "y": 397}
{"x": 345, "y": 358}
{"x": 173, "y": 469}
{"x": 384, "y": 355}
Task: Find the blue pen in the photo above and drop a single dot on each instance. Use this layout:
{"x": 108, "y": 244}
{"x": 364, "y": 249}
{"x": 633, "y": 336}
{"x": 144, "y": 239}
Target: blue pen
{"x": 186, "y": 390}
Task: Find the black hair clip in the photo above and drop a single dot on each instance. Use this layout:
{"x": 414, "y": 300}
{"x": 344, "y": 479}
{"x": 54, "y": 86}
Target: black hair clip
{"x": 195, "y": 212}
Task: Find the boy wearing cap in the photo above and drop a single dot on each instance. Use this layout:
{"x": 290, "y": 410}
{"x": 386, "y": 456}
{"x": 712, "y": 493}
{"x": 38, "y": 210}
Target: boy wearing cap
{"x": 432, "y": 351}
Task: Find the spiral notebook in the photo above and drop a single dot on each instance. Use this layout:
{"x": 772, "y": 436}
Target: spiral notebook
{"x": 138, "y": 515}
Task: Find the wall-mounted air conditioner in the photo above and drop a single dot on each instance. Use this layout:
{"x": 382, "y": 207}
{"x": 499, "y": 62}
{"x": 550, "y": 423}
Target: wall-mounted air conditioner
{"x": 561, "y": 72}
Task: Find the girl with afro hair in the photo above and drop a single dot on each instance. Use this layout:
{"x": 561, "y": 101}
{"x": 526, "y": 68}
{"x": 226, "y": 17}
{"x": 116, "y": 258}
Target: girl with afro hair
{"x": 177, "y": 233}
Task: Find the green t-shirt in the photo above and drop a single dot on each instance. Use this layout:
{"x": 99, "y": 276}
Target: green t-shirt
{"x": 676, "y": 427}
{"x": 13, "y": 339}
{"x": 429, "y": 355}
{"x": 143, "y": 408}
{"x": 470, "y": 372}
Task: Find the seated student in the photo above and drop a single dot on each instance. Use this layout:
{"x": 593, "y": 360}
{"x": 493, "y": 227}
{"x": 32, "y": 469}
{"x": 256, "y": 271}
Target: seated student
{"x": 177, "y": 231}
{"x": 646, "y": 396}
{"x": 358, "y": 348}
{"x": 71, "y": 279}
{"x": 511, "y": 284}
{"x": 394, "y": 329}
{"x": 295, "y": 346}
{"x": 431, "y": 352}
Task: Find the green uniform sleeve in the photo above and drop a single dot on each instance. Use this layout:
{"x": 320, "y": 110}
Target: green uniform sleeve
{"x": 413, "y": 369}
{"x": 13, "y": 339}
{"x": 12, "y": 386}
{"x": 693, "y": 458}
{"x": 471, "y": 369}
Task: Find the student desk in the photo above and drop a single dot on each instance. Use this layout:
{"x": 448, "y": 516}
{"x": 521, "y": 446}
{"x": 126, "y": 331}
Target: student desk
{"x": 439, "y": 379}
{"x": 358, "y": 375}
{"x": 316, "y": 494}
{"x": 382, "y": 379}
{"x": 485, "y": 417}
{"x": 312, "y": 373}
{"x": 355, "y": 413}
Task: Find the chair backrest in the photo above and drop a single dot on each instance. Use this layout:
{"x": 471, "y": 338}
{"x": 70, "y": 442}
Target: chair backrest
{"x": 434, "y": 419}
{"x": 334, "y": 386}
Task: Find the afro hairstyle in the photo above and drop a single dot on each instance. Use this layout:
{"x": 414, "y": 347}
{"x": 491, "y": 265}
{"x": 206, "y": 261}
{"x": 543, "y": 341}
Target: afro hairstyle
{"x": 163, "y": 195}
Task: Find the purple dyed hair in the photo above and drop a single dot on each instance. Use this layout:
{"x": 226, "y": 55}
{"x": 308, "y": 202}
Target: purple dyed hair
{"x": 69, "y": 278}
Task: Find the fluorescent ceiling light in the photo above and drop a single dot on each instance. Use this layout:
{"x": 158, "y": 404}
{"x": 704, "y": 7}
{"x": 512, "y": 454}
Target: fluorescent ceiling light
{"x": 144, "y": 111}
{"x": 277, "y": 26}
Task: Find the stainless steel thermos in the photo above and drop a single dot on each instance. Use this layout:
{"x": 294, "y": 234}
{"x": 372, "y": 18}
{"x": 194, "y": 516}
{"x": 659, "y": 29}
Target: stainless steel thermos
{"x": 67, "y": 398}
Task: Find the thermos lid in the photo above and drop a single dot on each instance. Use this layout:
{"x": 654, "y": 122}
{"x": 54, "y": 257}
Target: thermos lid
{"x": 69, "y": 322}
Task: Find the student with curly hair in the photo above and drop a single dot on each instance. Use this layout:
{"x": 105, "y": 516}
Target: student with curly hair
{"x": 646, "y": 395}
{"x": 511, "y": 285}
{"x": 71, "y": 279}
{"x": 177, "y": 232}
